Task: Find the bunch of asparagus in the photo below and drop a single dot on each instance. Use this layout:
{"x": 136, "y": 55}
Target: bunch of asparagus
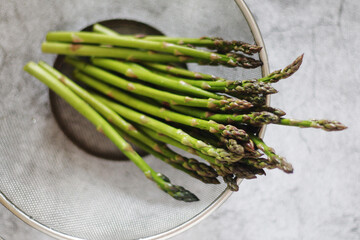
{"x": 138, "y": 94}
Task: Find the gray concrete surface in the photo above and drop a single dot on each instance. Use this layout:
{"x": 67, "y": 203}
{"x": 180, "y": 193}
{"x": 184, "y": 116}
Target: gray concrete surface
{"x": 321, "y": 199}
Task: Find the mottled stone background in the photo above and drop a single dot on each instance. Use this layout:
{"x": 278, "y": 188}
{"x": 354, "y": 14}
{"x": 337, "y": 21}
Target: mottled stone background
{"x": 321, "y": 200}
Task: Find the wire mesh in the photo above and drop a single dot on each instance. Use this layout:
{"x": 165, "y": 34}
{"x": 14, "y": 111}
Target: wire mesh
{"x": 53, "y": 181}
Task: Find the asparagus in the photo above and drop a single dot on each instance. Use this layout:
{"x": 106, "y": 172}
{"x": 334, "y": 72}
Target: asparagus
{"x": 212, "y": 43}
{"x": 231, "y": 181}
{"x": 326, "y": 125}
{"x": 232, "y": 145}
{"x": 222, "y": 105}
{"x": 253, "y": 118}
{"x": 193, "y": 168}
{"x": 244, "y": 61}
{"x": 213, "y": 127}
{"x": 227, "y": 86}
{"x": 271, "y": 78}
{"x": 257, "y": 116}
{"x": 223, "y": 46}
{"x": 103, "y": 126}
{"x": 244, "y": 172}
{"x": 177, "y": 134}
{"x": 279, "y": 161}
{"x": 99, "y": 28}
{"x": 180, "y": 71}
{"x": 102, "y": 51}
{"x": 136, "y": 71}
{"x": 285, "y": 73}
{"x": 277, "y": 111}
{"x": 255, "y": 99}
{"x": 241, "y": 87}
{"x": 177, "y": 50}
{"x": 204, "y": 136}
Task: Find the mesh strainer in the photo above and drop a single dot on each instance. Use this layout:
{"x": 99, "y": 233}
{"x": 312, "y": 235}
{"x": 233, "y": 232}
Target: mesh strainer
{"x": 60, "y": 188}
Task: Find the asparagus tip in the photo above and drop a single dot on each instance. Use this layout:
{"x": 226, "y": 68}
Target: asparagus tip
{"x": 233, "y": 132}
{"x": 286, "y": 166}
{"x": 180, "y": 193}
{"x": 331, "y": 125}
{"x": 231, "y": 182}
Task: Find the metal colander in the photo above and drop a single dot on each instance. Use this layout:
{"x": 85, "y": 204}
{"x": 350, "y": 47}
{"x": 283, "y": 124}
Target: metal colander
{"x": 60, "y": 187}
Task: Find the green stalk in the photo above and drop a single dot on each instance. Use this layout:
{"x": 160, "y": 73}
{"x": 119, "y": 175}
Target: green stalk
{"x": 136, "y": 71}
{"x": 254, "y": 118}
{"x": 102, "y": 51}
{"x": 103, "y": 126}
{"x": 200, "y": 174}
{"x": 326, "y": 125}
{"x": 285, "y": 73}
{"x": 170, "y": 116}
{"x": 211, "y": 43}
{"x": 177, "y": 50}
{"x": 224, "y": 104}
{"x": 275, "y": 159}
{"x": 180, "y": 71}
{"x": 98, "y": 28}
{"x": 227, "y": 86}
{"x": 204, "y": 136}
{"x": 177, "y": 134}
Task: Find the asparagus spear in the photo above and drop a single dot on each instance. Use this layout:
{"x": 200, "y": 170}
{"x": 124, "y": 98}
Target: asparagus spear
{"x": 255, "y": 99}
{"x": 326, "y": 125}
{"x": 180, "y": 71}
{"x": 245, "y": 172}
{"x": 202, "y": 170}
{"x": 212, "y": 43}
{"x": 271, "y": 78}
{"x": 277, "y": 111}
{"x": 136, "y": 71}
{"x": 244, "y": 61}
{"x": 204, "y": 136}
{"x": 103, "y": 126}
{"x": 102, "y": 51}
{"x": 177, "y": 50}
{"x": 227, "y": 86}
{"x": 177, "y": 134}
{"x": 213, "y": 127}
{"x": 279, "y": 161}
{"x": 223, "y": 104}
{"x": 99, "y": 28}
{"x": 232, "y": 145}
{"x": 253, "y": 118}
{"x": 283, "y": 73}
